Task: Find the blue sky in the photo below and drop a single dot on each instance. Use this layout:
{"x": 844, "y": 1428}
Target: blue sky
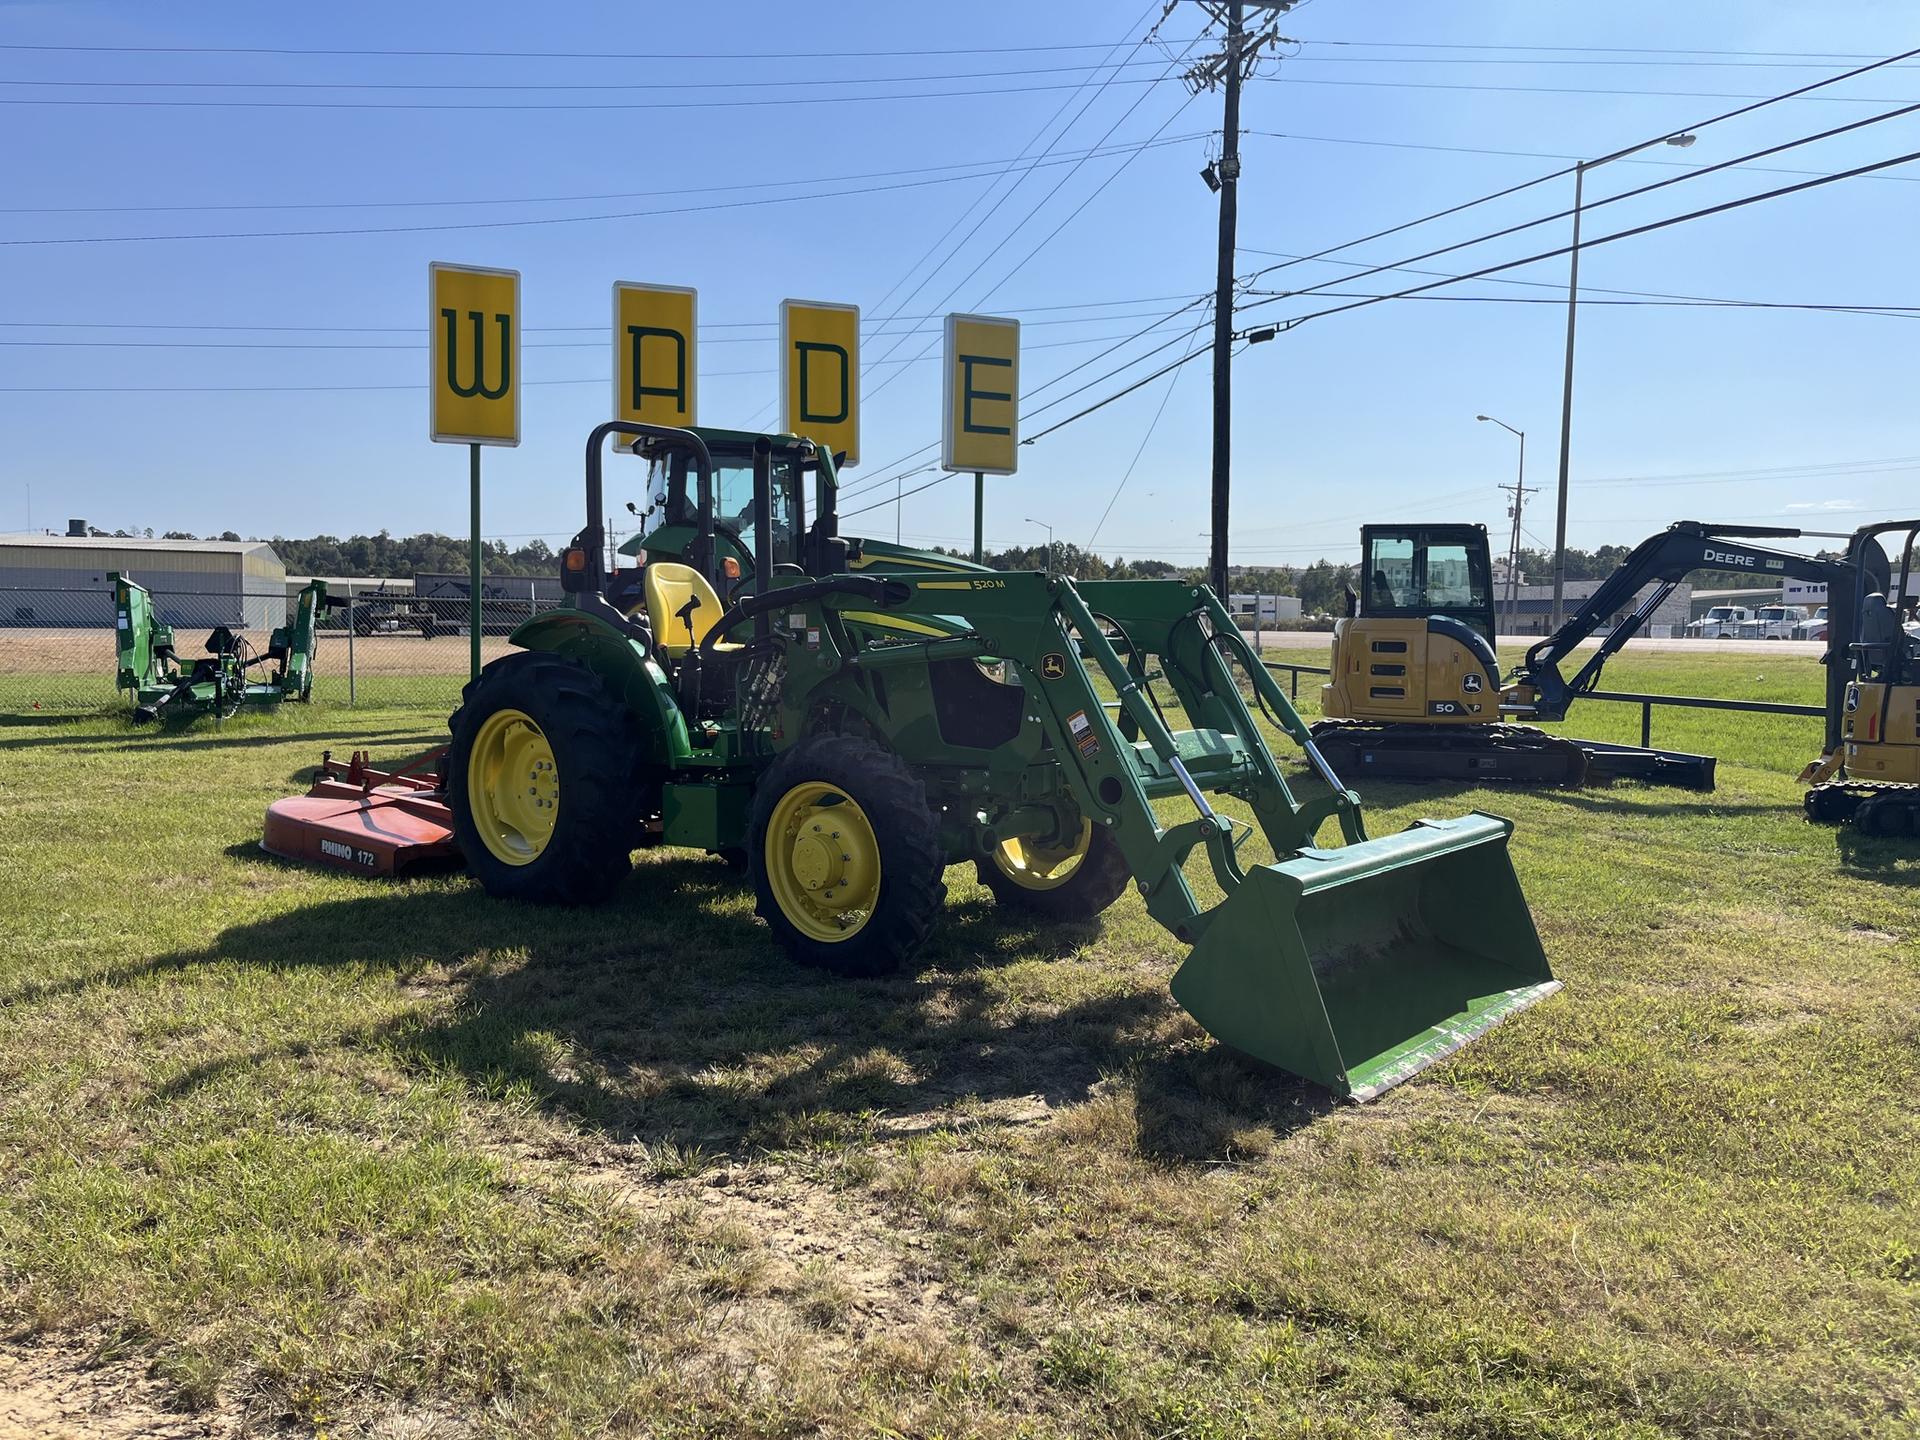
{"x": 1366, "y": 414}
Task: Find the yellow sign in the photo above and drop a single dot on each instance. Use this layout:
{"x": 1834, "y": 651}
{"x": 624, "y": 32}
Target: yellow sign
{"x": 654, "y": 376}
{"x": 982, "y": 395}
{"x": 473, "y": 324}
{"x": 820, "y": 375}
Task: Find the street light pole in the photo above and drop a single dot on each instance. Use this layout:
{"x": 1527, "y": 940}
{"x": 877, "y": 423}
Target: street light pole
{"x": 1680, "y": 141}
{"x": 1519, "y": 497}
{"x": 1049, "y": 529}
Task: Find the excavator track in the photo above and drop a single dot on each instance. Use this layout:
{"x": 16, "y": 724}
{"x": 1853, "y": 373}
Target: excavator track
{"x": 1513, "y": 754}
{"x": 1872, "y": 807}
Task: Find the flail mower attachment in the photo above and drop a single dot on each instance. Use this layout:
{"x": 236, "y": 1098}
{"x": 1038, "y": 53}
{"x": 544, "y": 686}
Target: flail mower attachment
{"x": 371, "y": 822}
{"x": 224, "y": 680}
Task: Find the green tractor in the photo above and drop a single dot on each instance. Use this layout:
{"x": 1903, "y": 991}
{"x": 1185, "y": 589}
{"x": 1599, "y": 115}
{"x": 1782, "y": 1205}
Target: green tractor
{"x": 851, "y": 721}
{"x": 221, "y": 682}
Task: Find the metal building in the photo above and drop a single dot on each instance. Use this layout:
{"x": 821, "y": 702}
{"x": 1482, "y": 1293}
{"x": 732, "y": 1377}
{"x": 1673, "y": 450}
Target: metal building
{"x": 60, "y": 580}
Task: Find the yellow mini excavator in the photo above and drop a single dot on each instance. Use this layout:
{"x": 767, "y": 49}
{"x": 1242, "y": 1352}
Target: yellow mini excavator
{"x": 1869, "y": 776}
{"x": 1416, "y": 691}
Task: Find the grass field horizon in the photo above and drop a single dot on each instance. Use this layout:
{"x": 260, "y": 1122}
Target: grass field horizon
{"x": 317, "y": 1154}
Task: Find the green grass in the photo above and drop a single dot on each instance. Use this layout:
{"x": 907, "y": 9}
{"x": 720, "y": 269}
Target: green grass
{"x": 316, "y": 1146}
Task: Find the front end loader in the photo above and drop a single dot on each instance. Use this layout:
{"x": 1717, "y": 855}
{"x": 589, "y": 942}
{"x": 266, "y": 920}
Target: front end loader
{"x": 851, "y": 733}
{"x": 218, "y": 683}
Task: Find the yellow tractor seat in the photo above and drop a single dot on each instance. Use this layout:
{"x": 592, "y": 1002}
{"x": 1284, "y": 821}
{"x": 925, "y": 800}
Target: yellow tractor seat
{"x": 669, "y": 589}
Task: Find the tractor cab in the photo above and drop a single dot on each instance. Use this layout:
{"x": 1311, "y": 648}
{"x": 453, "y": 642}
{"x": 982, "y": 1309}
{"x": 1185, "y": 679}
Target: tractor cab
{"x": 714, "y": 526}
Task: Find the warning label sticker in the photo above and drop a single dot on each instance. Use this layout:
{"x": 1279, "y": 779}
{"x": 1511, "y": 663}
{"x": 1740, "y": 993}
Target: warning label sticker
{"x": 1084, "y": 740}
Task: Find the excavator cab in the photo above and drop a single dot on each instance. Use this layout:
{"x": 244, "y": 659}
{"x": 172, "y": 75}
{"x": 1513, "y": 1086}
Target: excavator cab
{"x": 1420, "y": 646}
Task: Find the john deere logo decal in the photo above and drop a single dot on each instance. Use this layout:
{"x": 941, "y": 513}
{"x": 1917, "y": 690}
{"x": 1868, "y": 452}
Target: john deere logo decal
{"x": 1471, "y": 684}
{"x": 1052, "y": 665}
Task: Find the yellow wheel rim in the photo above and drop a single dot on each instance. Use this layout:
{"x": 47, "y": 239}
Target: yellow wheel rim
{"x": 823, "y": 862}
{"x": 1033, "y": 866}
{"x": 513, "y": 787}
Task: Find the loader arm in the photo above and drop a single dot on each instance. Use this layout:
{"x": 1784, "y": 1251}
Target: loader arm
{"x": 1356, "y": 966}
{"x": 1664, "y": 561}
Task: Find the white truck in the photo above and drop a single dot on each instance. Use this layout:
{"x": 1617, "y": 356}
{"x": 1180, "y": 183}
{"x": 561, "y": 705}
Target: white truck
{"x": 1773, "y": 622}
{"x": 1722, "y": 622}
{"x": 1814, "y": 627}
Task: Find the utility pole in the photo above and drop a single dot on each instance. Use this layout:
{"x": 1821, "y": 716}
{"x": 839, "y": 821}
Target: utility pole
{"x": 1227, "y": 69}
{"x": 1519, "y": 493}
{"x": 1680, "y": 140}
{"x": 1223, "y": 304}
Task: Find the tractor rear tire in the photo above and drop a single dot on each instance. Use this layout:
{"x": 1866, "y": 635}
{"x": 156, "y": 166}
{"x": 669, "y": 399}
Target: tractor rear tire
{"x": 845, "y": 856}
{"x": 570, "y": 838}
{"x": 1100, "y": 878}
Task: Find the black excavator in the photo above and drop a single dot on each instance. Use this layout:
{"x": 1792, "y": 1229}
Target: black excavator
{"x": 1416, "y": 691}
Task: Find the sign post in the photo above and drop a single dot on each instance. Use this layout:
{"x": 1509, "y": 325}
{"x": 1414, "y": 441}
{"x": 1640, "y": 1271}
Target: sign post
{"x": 473, "y": 330}
{"x": 980, "y": 405}
{"x": 654, "y": 374}
{"x": 820, "y": 375}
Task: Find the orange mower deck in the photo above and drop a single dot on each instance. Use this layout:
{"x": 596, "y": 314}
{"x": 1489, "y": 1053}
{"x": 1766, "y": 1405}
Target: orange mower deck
{"x": 370, "y": 822}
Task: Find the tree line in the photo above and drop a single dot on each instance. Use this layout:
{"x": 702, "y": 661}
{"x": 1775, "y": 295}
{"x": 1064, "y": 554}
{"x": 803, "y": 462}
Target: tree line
{"x": 389, "y": 557}
{"x": 1321, "y": 586}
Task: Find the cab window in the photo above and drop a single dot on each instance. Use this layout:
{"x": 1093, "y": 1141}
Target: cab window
{"x": 1407, "y": 573}
{"x": 674, "y": 478}
{"x": 1451, "y": 581}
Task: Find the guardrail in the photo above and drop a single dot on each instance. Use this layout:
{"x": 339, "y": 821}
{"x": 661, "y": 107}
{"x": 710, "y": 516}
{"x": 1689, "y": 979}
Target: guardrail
{"x": 1696, "y": 702}
{"x": 1619, "y": 697}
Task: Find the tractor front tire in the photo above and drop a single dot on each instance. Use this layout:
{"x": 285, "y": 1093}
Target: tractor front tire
{"x": 845, "y": 856}
{"x": 543, "y": 781}
{"x": 1072, "y": 882}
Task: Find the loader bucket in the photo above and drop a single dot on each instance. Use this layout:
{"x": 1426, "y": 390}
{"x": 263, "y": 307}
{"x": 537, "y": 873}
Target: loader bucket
{"x": 1359, "y": 967}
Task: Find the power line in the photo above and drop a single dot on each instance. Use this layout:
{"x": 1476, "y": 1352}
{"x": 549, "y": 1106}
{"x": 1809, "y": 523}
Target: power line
{"x": 599, "y": 344}
{"x": 1045, "y": 240}
{"x": 543, "y": 106}
{"x": 1134, "y": 463}
{"x": 1448, "y": 85}
{"x": 1735, "y": 204}
{"x": 651, "y": 55}
{"x": 1887, "y": 312}
{"x": 465, "y": 106}
{"x": 570, "y": 86}
{"x": 1583, "y": 49}
{"x": 598, "y": 329}
{"x": 757, "y": 185}
{"x": 1532, "y": 154}
{"x": 1584, "y": 289}
{"x": 1304, "y": 59}
{"x": 1700, "y": 173}
{"x": 1044, "y": 200}
{"x": 305, "y": 389}
{"x": 1651, "y": 226}
{"x": 335, "y": 231}
{"x": 888, "y": 478}
{"x": 1005, "y": 195}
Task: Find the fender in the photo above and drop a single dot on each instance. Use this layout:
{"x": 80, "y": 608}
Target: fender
{"x": 626, "y": 669}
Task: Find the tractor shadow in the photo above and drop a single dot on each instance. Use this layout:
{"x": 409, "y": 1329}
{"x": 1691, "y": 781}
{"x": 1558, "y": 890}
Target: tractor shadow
{"x": 668, "y": 1018}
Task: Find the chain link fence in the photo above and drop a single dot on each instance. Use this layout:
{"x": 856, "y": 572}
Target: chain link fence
{"x": 376, "y": 646}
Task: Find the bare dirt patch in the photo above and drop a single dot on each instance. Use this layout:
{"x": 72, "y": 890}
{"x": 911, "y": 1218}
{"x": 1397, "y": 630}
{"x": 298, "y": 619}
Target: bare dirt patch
{"x": 48, "y": 1392}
